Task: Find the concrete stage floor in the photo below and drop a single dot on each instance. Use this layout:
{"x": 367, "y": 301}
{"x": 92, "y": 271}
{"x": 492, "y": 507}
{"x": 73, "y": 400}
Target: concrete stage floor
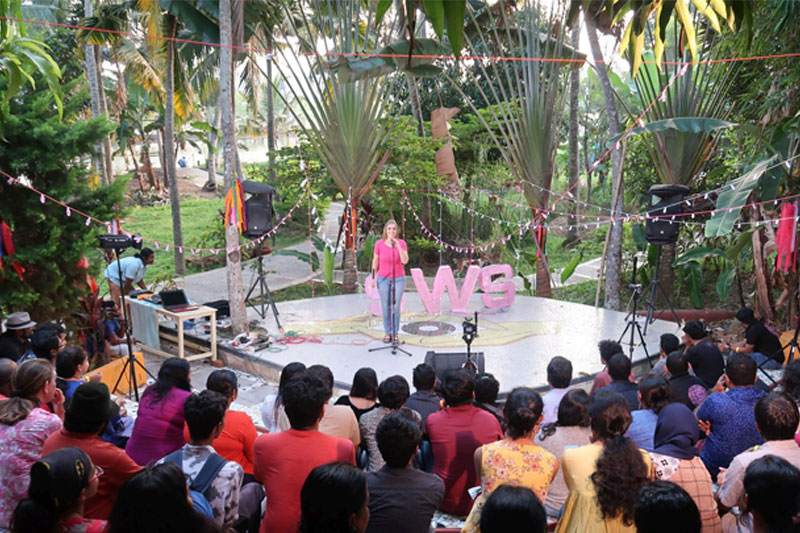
{"x": 518, "y": 342}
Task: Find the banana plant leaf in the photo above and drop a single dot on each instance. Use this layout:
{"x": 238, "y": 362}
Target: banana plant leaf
{"x": 699, "y": 253}
{"x": 693, "y": 278}
{"x": 724, "y": 282}
{"x": 734, "y": 197}
{"x": 569, "y": 270}
{"x": 680, "y": 124}
{"x": 354, "y": 68}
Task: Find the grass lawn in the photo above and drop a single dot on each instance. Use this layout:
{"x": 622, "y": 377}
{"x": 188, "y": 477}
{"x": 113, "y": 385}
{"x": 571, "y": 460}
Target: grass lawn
{"x": 198, "y": 220}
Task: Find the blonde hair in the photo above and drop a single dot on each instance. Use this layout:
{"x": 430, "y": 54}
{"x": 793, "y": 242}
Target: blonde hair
{"x": 386, "y": 225}
{"x": 30, "y": 379}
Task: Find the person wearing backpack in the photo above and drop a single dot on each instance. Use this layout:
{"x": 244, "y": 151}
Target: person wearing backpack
{"x": 213, "y": 482}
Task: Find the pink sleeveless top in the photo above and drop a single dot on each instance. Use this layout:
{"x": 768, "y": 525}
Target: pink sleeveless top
{"x": 385, "y": 256}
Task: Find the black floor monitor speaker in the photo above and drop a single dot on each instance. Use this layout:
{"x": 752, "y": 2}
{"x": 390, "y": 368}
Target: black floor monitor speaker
{"x": 259, "y": 210}
{"x": 442, "y": 363}
{"x": 664, "y": 201}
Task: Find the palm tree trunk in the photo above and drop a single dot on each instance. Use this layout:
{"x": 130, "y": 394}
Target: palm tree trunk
{"x": 614, "y": 257}
{"x": 574, "y": 90}
{"x": 211, "y": 164}
{"x": 270, "y": 109}
{"x": 667, "y": 274}
{"x": 169, "y": 149}
{"x": 349, "y": 265}
{"x": 107, "y": 151}
{"x": 98, "y": 161}
{"x": 225, "y": 102}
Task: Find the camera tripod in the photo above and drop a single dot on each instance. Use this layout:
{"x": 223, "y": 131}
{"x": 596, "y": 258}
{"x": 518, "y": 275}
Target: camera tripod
{"x": 260, "y": 281}
{"x": 632, "y": 327}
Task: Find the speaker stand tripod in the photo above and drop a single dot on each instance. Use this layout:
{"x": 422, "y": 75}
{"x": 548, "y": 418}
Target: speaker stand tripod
{"x": 632, "y": 325}
{"x": 260, "y": 282}
{"x": 655, "y": 285}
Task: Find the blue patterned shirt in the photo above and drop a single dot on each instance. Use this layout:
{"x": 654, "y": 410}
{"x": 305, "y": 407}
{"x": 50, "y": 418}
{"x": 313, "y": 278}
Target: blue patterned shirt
{"x": 733, "y": 426}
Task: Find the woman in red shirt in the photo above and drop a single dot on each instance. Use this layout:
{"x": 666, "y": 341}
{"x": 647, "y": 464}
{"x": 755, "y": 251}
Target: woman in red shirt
{"x": 389, "y": 259}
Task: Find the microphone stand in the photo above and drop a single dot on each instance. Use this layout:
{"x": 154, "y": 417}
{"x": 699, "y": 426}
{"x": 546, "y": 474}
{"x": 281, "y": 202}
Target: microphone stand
{"x": 394, "y": 345}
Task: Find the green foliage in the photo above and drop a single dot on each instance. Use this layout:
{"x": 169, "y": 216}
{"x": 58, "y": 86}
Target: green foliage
{"x": 49, "y": 152}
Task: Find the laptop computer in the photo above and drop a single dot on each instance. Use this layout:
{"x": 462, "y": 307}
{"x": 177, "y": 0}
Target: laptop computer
{"x": 176, "y": 301}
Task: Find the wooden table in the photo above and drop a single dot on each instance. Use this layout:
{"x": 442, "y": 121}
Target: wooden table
{"x": 179, "y": 317}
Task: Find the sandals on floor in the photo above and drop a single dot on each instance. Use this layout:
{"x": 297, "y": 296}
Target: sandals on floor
{"x": 387, "y": 339}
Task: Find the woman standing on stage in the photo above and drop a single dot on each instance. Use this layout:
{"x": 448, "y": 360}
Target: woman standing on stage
{"x": 389, "y": 260}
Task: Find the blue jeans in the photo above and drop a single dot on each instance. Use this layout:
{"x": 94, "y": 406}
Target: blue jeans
{"x": 770, "y": 364}
{"x": 384, "y": 289}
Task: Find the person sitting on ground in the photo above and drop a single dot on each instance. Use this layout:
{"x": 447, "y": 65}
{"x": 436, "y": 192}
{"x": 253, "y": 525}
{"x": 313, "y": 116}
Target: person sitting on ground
{"x": 777, "y": 419}
{"x": 114, "y": 333}
{"x": 453, "y": 458}
{"x": 559, "y": 374}
{"x": 338, "y": 420}
{"x": 702, "y": 354}
{"x": 619, "y": 368}
{"x": 85, "y": 419}
{"x": 677, "y": 460}
{"x": 571, "y": 430}
{"x": 158, "y": 430}
{"x": 608, "y": 349}
{"x": 334, "y": 499}
{"x": 727, "y": 417}
{"x": 791, "y": 381}
{"x": 156, "y": 500}
{"x": 664, "y": 507}
{"x": 72, "y": 363}
{"x": 424, "y": 400}
{"x": 60, "y": 484}
{"x": 7, "y": 370}
{"x": 205, "y": 416}
{"x": 401, "y": 498}
{"x": 667, "y": 344}
{"x": 15, "y": 341}
{"x": 604, "y": 477}
{"x": 684, "y": 388}
{"x": 392, "y": 394}
{"x": 24, "y": 427}
{"x": 363, "y": 393}
{"x": 47, "y": 339}
{"x": 486, "y": 390}
{"x": 772, "y": 494}
{"x": 653, "y": 396}
{"x": 760, "y": 341}
{"x": 272, "y": 411}
{"x": 511, "y": 508}
{"x": 284, "y": 460}
{"x": 516, "y": 459}
{"x": 236, "y": 441}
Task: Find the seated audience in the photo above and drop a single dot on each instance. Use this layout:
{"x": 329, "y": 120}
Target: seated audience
{"x": 284, "y": 460}
{"x": 237, "y": 440}
{"x": 653, "y": 396}
{"x": 272, "y": 412}
{"x": 702, "y": 354}
{"x": 486, "y": 391}
{"x": 453, "y": 458}
{"x": 772, "y": 489}
{"x": 424, "y": 400}
{"x": 24, "y": 426}
{"x": 517, "y": 459}
{"x": 676, "y": 459}
{"x": 205, "y": 416}
{"x": 619, "y": 368}
{"x": 604, "y": 477}
{"x": 727, "y": 417}
{"x": 85, "y": 419}
{"x": 683, "y": 387}
{"x": 667, "y": 344}
{"x": 559, "y": 374}
{"x": 511, "y": 508}
{"x": 777, "y": 418}
{"x": 608, "y": 349}
{"x": 392, "y": 394}
{"x": 760, "y": 341}
{"x": 791, "y": 380}
{"x": 114, "y": 333}
{"x": 46, "y": 340}
{"x": 338, "y": 420}
{"x": 71, "y": 364}
{"x": 401, "y": 498}
{"x": 363, "y": 393}
{"x": 60, "y": 483}
{"x": 156, "y": 500}
{"x": 158, "y": 430}
{"x": 334, "y": 499}
{"x": 15, "y": 341}
{"x": 571, "y": 430}
{"x": 7, "y": 370}
{"x": 665, "y": 507}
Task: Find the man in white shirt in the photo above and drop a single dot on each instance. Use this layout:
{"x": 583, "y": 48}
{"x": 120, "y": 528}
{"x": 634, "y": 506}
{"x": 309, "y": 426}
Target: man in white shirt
{"x": 559, "y": 374}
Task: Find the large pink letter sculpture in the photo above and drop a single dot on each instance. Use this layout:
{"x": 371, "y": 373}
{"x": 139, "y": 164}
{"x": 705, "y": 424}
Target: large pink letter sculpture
{"x": 488, "y": 286}
{"x": 444, "y": 280}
